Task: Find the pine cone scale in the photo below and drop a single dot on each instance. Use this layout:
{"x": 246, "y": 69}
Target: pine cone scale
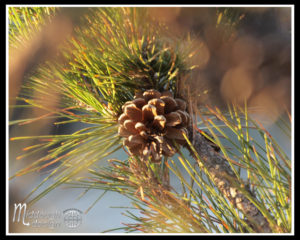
{"x": 150, "y": 94}
{"x": 140, "y": 127}
{"x": 139, "y": 102}
{"x": 123, "y": 132}
{"x": 130, "y": 126}
{"x": 122, "y": 118}
{"x": 133, "y": 112}
{"x": 159, "y": 104}
{"x": 173, "y": 119}
{"x": 170, "y": 103}
{"x": 159, "y": 122}
{"x": 181, "y": 104}
{"x": 174, "y": 133}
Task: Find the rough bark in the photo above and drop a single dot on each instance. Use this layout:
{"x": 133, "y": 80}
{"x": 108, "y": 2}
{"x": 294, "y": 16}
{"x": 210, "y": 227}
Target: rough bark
{"x": 223, "y": 177}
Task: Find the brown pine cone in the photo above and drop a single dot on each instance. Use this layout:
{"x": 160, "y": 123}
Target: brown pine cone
{"x": 150, "y": 122}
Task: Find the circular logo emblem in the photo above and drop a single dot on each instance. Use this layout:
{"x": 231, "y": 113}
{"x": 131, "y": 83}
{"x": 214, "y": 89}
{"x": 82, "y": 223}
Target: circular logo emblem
{"x": 72, "y": 218}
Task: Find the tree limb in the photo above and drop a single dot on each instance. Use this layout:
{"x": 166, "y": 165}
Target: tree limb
{"x": 221, "y": 172}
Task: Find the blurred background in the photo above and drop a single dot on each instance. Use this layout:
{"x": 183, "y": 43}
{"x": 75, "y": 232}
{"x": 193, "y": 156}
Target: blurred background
{"x": 242, "y": 54}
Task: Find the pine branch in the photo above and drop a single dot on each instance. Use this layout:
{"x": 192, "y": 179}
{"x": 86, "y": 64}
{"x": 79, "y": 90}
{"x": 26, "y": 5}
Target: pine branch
{"x": 225, "y": 179}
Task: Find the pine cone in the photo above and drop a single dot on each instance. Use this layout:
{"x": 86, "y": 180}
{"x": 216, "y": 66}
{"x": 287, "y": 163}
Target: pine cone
{"x": 150, "y": 122}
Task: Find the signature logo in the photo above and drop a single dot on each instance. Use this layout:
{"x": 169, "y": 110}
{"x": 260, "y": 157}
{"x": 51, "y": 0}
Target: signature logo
{"x": 72, "y": 218}
{"x": 20, "y": 207}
